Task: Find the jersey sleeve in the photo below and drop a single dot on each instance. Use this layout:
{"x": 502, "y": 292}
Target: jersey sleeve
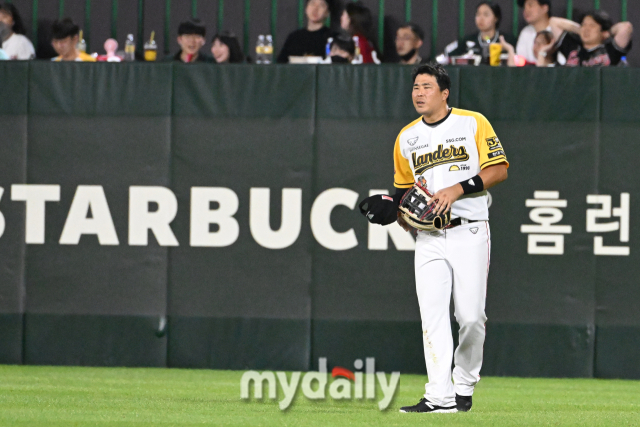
{"x": 490, "y": 151}
{"x": 402, "y": 174}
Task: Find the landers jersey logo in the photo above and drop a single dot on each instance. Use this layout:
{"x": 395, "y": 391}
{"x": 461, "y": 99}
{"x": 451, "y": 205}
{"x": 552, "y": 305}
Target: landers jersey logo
{"x": 493, "y": 143}
{"x": 412, "y": 141}
{"x": 440, "y": 157}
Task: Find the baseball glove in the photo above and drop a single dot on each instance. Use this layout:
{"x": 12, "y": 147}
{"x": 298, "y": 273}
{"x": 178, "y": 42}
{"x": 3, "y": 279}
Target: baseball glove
{"x": 418, "y": 209}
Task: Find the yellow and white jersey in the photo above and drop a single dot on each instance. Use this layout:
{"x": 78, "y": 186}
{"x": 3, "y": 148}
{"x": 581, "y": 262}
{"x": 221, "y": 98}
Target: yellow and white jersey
{"x": 444, "y": 153}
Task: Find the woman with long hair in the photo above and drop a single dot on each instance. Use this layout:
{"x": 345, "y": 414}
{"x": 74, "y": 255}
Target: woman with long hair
{"x": 225, "y": 48}
{"x": 15, "y": 43}
{"x": 358, "y": 22}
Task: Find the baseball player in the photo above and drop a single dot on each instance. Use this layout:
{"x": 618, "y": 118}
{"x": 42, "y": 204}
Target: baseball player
{"x": 459, "y": 156}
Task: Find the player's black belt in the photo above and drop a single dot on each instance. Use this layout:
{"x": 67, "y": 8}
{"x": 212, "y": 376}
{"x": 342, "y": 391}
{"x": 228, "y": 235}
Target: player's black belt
{"x": 459, "y": 221}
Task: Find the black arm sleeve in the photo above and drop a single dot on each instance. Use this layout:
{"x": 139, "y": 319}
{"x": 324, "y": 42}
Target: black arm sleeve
{"x": 398, "y": 196}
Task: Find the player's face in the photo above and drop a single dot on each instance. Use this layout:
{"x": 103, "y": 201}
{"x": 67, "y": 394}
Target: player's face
{"x": 220, "y": 51}
{"x": 591, "y": 32}
{"x": 533, "y": 12}
{"x": 406, "y": 41}
{"x": 485, "y": 19}
{"x": 317, "y": 11}
{"x": 427, "y": 96}
{"x": 190, "y": 43}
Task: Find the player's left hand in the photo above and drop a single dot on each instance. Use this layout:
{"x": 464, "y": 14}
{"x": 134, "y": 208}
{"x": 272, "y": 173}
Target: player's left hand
{"x": 446, "y": 197}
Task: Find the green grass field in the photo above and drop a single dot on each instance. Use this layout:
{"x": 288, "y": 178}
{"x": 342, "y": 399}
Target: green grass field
{"x": 70, "y": 396}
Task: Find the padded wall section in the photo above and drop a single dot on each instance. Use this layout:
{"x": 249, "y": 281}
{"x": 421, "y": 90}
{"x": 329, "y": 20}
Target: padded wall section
{"x": 242, "y": 293}
{"x": 240, "y": 147}
{"x": 106, "y": 126}
{"x": 617, "y": 292}
{"x": 13, "y": 170}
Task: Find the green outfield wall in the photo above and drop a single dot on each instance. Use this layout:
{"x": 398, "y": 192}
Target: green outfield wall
{"x": 204, "y": 217}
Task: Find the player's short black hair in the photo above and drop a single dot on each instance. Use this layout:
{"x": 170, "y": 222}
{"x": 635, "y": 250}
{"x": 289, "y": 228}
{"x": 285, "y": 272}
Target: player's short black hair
{"x": 495, "y": 8}
{"x": 192, "y": 26}
{"x": 601, "y": 17}
{"x": 64, "y": 28}
{"x": 344, "y": 42}
{"x": 18, "y": 24}
{"x": 415, "y": 29}
{"x": 436, "y": 70}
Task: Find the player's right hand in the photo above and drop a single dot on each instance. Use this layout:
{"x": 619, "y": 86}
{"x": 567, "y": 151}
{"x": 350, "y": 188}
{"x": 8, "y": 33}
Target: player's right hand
{"x": 445, "y": 197}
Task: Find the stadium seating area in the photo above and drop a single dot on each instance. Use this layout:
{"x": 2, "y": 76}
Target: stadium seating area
{"x": 503, "y": 32}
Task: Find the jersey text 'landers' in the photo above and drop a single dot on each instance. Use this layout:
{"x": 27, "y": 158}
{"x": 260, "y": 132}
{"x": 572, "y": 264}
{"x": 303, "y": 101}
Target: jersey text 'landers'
{"x": 454, "y": 149}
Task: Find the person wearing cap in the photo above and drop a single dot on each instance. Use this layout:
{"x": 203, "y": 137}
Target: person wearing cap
{"x": 311, "y": 40}
{"x": 488, "y": 17}
{"x": 537, "y": 14}
{"x": 409, "y": 39}
{"x": 64, "y": 39}
{"x": 191, "y": 35}
{"x": 13, "y": 41}
{"x": 599, "y": 43}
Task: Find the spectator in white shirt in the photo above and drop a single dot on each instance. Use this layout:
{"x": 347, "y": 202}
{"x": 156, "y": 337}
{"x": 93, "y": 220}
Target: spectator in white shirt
{"x": 537, "y": 13}
{"x": 15, "y": 43}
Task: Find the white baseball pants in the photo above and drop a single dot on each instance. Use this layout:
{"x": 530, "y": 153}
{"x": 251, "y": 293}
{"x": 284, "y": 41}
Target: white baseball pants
{"x": 456, "y": 259}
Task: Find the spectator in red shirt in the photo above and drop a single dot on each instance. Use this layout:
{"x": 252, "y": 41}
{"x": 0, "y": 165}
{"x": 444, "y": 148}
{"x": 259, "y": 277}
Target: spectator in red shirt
{"x": 358, "y": 22}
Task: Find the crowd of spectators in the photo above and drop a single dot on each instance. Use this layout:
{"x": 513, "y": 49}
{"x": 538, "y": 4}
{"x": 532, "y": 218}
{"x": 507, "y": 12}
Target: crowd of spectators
{"x": 545, "y": 41}
{"x": 549, "y": 41}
